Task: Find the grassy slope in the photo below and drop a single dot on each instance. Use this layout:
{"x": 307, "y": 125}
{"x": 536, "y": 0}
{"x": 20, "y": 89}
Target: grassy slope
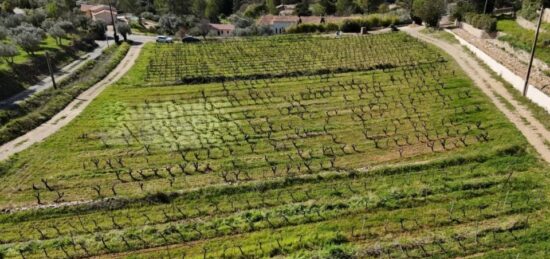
{"x": 41, "y": 107}
{"x": 485, "y": 188}
{"x": 48, "y": 44}
{"x": 523, "y": 39}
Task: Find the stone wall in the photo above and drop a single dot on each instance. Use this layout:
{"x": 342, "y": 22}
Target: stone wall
{"x": 534, "y": 94}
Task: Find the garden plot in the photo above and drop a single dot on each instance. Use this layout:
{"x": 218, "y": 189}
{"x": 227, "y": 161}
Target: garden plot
{"x": 404, "y": 161}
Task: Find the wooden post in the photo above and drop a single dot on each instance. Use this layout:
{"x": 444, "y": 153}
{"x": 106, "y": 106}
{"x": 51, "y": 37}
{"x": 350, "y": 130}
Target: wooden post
{"x": 51, "y": 70}
{"x": 533, "y": 51}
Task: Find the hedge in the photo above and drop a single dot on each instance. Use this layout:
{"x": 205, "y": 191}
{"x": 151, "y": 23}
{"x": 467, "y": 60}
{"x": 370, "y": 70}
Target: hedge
{"x": 481, "y": 21}
{"x": 313, "y": 28}
{"x": 371, "y": 21}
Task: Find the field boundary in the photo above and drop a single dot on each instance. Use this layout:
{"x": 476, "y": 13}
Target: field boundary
{"x": 533, "y": 93}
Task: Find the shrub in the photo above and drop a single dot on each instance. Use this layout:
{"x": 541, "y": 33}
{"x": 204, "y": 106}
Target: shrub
{"x": 370, "y": 21}
{"x": 482, "y": 21}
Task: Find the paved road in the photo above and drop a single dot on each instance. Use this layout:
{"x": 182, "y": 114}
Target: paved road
{"x": 521, "y": 116}
{"x": 76, "y": 106}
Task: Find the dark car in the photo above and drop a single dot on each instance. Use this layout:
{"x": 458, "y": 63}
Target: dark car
{"x": 189, "y": 39}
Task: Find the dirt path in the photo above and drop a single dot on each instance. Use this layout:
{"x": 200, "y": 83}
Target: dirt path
{"x": 530, "y": 127}
{"x": 72, "y": 110}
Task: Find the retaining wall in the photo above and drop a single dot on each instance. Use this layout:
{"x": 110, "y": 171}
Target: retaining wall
{"x": 534, "y": 94}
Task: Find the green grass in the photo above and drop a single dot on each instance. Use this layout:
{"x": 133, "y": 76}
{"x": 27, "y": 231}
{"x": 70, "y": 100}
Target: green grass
{"x": 412, "y": 160}
{"x": 440, "y": 34}
{"x": 48, "y": 44}
{"x": 523, "y": 39}
{"x": 18, "y": 120}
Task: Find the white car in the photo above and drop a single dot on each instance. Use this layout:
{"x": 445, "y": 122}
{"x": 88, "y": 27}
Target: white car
{"x": 164, "y": 39}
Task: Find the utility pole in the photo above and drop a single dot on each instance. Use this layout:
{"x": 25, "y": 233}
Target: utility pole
{"x": 50, "y": 69}
{"x": 115, "y": 35}
{"x": 533, "y": 51}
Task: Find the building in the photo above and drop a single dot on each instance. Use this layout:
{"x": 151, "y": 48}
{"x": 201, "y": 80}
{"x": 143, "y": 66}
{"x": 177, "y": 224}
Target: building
{"x": 98, "y": 12}
{"x": 221, "y": 30}
{"x": 279, "y": 23}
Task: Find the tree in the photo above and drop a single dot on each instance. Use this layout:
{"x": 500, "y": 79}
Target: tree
{"x": 370, "y": 6}
{"x": 330, "y": 7}
{"x": 124, "y": 29}
{"x": 8, "y": 52}
{"x": 198, "y": 7}
{"x": 430, "y": 11}
{"x": 3, "y": 32}
{"x": 302, "y": 8}
{"x": 28, "y": 37}
{"x": 203, "y": 27}
{"x": 57, "y": 33}
{"x": 345, "y": 7}
{"x": 212, "y": 10}
{"x": 271, "y": 7}
{"x": 318, "y": 9}
{"x": 461, "y": 8}
{"x": 98, "y": 29}
{"x": 169, "y": 24}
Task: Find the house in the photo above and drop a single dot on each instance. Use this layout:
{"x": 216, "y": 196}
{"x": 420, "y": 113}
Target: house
{"x": 99, "y": 12}
{"x": 279, "y": 23}
{"x": 221, "y": 30}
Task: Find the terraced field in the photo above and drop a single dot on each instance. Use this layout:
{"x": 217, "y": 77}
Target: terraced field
{"x": 407, "y": 160}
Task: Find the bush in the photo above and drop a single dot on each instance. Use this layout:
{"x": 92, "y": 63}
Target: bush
{"x": 481, "y": 21}
{"x": 370, "y": 21}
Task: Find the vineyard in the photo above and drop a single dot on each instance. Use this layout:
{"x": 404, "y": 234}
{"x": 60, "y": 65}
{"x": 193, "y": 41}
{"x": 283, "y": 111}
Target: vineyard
{"x": 257, "y": 58}
{"x": 330, "y": 160}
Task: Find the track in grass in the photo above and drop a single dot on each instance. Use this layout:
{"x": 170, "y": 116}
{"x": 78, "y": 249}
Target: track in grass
{"x": 403, "y": 161}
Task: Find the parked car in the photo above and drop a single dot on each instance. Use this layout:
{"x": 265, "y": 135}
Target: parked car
{"x": 164, "y": 39}
{"x": 188, "y": 39}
